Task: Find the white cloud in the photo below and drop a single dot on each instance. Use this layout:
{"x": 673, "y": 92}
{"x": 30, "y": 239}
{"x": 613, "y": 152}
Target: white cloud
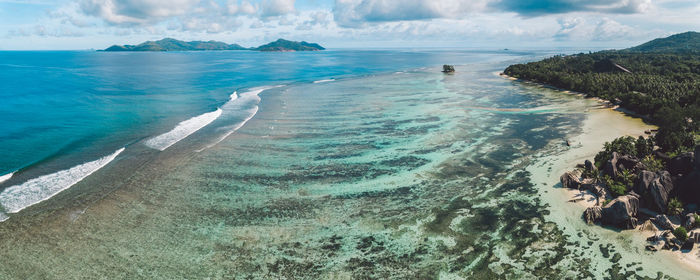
{"x": 241, "y": 8}
{"x": 610, "y": 30}
{"x": 136, "y": 11}
{"x": 274, "y": 8}
{"x": 356, "y": 13}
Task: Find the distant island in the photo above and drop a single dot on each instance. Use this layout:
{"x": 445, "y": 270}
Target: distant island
{"x": 169, "y": 44}
{"x": 652, "y": 182}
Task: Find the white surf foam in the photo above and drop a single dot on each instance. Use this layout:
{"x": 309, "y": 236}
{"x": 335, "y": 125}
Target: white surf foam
{"x": 233, "y": 105}
{"x": 183, "y": 129}
{"x": 6, "y": 177}
{"x": 18, "y": 197}
{"x": 324, "y": 81}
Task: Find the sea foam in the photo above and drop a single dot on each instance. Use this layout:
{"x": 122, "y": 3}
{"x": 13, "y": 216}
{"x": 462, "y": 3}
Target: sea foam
{"x": 6, "y": 177}
{"x": 182, "y": 130}
{"x": 234, "y": 106}
{"x": 18, "y": 197}
{"x": 323, "y": 81}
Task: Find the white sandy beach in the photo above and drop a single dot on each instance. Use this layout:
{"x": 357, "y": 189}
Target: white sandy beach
{"x": 603, "y": 124}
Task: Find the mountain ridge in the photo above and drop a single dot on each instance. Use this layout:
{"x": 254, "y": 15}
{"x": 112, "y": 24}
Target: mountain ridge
{"x": 170, "y": 44}
{"x": 681, "y": 42}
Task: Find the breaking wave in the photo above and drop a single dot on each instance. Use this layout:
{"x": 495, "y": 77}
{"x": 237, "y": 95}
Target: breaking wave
{"x": 18, "y": 197}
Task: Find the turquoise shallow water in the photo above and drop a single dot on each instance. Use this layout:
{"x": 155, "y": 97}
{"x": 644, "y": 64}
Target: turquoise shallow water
{"x": 402, "y": 173}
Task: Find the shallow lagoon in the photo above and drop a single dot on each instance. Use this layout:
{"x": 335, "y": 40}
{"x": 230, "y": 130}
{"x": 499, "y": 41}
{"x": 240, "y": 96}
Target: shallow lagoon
{"x": 409, "y": 174}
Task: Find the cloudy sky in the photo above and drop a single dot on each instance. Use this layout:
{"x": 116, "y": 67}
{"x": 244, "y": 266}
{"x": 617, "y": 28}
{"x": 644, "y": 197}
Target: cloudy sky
{"x": 85, "y": 24}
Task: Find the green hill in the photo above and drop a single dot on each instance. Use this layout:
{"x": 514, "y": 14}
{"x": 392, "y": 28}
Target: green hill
{"x": 683, "y": 42}
{"x": 282, "y": 45}
{"x": 169, "y": 44}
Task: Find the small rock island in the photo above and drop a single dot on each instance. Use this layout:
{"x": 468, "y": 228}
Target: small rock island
{"x": 170, "y": 44}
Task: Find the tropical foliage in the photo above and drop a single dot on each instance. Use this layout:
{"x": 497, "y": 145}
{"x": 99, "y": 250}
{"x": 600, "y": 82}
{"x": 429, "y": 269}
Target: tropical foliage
{"x": 663, "y": 87}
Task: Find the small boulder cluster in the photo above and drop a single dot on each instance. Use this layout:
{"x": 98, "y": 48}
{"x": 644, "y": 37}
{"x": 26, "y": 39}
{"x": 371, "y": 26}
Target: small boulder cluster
{"x": 630, "y": 193}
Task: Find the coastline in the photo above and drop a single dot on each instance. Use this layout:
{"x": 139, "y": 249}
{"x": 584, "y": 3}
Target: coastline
{"x": 604, "y": 122}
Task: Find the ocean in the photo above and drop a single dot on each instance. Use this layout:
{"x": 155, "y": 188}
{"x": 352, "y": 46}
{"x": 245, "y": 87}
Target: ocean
{"x": 316, "y": 165}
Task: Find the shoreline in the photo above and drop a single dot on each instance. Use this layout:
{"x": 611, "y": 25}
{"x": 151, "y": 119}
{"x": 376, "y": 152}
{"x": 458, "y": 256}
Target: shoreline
{"x": 603, "y": 102}
{"x": 604, "y": 122}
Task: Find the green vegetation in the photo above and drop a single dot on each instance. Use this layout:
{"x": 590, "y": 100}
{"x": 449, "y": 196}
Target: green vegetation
{"x": 626, "y": 145}
{"x": 659, "y": 79}
{"x": 616, "y": 187}
{"x": 285, "y": 45}
{"x": 652, "y": 164}
{"x": 683, "y": 42}
{"x": 169, "y": 44}
{"x": 680, "y": 233}
{"x": 675, "y": 207}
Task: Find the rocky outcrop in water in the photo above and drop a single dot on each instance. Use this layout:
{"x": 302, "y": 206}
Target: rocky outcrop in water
{"x": 621, "y": 212}
{"x": 448, "y": 69}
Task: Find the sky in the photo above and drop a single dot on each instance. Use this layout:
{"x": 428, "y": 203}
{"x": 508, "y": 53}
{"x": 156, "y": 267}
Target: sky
{"x": 481, "y": 24}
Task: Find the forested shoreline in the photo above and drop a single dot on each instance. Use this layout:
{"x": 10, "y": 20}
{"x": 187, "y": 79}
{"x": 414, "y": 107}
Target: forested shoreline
{"x": 663, "y": 87}
{"x": 660, "y": 81}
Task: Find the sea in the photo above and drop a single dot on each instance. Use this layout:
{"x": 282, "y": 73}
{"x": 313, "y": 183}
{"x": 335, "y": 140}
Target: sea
{"x": 339, "y": 164}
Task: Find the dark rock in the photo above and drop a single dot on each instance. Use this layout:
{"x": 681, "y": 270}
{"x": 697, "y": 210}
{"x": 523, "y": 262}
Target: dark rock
{"x": 653, "y": 238}
{"x": 689, "y": 221}
{"x": 688, "y": 245}
{"x": 697, "y": 158}
{"x": 621, "y": 212}
{"x": 610, "y": 167}
{"x": 674, "y": 244}
{"x": 639, "y": 167}
{"x": 589, "y": 166}
{"x": 665, "y": 245}
{"x": 650, "y": 248}
{"x": 597, "y": 189}
{"x": 627, "y": 162}
{"x": 689, "y": 188}
{"x": 618, "y": 162}
{"x": 682, "y": 164}
{"x": 695, "y": 236}
{"x": 592, "y": 214}
{"x": 570, "y": 180}
{"x": 659, "y": 191}
{"x": 662, "y": 156}
{"x": 663, "y": 222}
{"x": 448, "y": 68}
{"x": 643, "y": 182}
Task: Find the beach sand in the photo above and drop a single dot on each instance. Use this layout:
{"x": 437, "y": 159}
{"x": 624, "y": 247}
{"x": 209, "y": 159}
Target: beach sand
{"x": 603, "y": 124}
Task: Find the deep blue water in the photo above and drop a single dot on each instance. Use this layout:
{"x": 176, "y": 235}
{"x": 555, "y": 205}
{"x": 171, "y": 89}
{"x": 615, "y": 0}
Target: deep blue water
{"x": 61, "y": 108}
